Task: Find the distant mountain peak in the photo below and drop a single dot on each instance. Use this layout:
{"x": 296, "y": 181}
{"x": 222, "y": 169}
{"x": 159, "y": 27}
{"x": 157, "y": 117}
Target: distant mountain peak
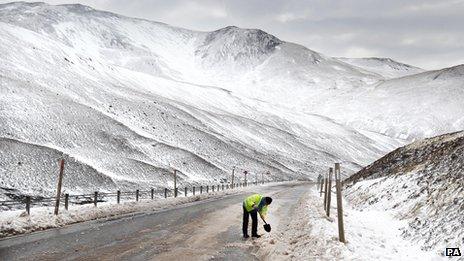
{"x": 78, "y": 7}
{"x": 386, "y": 67}
{"x": 390, "y": 61}
{"x": 237, "y": 45}
{"x": 250, "y": 36}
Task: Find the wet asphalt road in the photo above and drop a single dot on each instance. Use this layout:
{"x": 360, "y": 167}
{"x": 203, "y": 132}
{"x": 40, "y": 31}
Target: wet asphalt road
{"x": 203, "y": 230}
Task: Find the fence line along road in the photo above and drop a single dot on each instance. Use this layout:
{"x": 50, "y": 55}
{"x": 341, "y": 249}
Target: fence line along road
{"x": 119, "y": 196}
{"x": 27, "y": 202}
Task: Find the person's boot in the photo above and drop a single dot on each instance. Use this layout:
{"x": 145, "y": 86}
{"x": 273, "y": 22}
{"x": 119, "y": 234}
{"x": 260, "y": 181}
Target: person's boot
{"x": 256, "y": 236}
{"x": 246, "y": 236}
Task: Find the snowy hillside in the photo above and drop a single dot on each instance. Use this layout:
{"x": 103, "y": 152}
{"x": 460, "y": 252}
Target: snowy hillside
{"x": 421, "y": 184}
{"x": 127, "y": 100}
{"x": 385, "y": 67}
{"x": 411, "y": 107}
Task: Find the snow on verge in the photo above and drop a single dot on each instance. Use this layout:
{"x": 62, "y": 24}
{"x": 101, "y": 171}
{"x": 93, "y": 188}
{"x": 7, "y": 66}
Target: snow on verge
{"x": 310, "y": 235}
{"x": 421, "y": 184}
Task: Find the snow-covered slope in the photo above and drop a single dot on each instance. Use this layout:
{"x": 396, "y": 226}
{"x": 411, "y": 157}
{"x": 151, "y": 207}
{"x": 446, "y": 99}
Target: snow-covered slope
{"x": 75, "y": 82}
{"x": 385, "y": 67}
{"x": 422, "y": 184}
{"x": 126, "y": 100}
{"x": 411, "y": 107}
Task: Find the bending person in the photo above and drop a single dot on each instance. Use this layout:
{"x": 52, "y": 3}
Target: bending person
{"x": 253, "y": 205}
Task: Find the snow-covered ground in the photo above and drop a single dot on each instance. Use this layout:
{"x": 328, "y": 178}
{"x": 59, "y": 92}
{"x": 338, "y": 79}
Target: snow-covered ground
{"x": 311, "y": 235}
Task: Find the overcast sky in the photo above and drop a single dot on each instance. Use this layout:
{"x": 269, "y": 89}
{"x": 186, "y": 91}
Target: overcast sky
{"x": 428, "y": 34}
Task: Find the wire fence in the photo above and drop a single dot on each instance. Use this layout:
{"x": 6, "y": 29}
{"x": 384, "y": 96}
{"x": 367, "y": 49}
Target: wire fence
{"x": 65, "y": 200}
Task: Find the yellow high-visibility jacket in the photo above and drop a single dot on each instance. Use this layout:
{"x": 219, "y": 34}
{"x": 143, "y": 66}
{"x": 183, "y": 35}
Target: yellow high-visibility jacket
{"x": 254, "y": 202}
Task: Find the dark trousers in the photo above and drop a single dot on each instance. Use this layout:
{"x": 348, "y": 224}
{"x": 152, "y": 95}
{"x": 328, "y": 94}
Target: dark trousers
{"x": 254, "y": 222}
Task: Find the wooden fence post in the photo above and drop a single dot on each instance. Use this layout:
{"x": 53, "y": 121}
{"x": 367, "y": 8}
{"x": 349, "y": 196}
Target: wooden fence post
{"x": 58, "y": 190}
{"x": 207, "y": 188}
{"x": 28, "y": 205}
{"x": 118, "y": 196}
{"x": 137, "y": 195}
{"x": 152, "y": 193}
{"x": 341, "y": 229}
{"x": 322, "y": 185}
{"x": 212, "y": 188}
{"x": 233, "y": 176}
{"x": 165, "y": 192}
{"x": 66, "y": 200}
{"x": 95, "y": 198}
{"x": 329, "y": 191}
{"x": 175, "y": 183}
{"x": 325, "y": 191}
{"x": 201, "y": 189}
{"x": 185, "y": 191}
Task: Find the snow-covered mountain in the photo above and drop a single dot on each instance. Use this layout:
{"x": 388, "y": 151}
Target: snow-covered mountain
{"x": 385, "y": 67}
{"x": 422, "y": 184}
{"x": 410, "y": 107}
{"x": 125, "y": 100}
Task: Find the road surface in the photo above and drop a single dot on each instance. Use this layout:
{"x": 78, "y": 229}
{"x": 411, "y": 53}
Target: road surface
{"x": 203, "y": 230}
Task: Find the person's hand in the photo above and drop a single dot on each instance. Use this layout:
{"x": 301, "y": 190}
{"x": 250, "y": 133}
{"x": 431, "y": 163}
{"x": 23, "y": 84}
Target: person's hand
{"x": 255, "y": 207}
